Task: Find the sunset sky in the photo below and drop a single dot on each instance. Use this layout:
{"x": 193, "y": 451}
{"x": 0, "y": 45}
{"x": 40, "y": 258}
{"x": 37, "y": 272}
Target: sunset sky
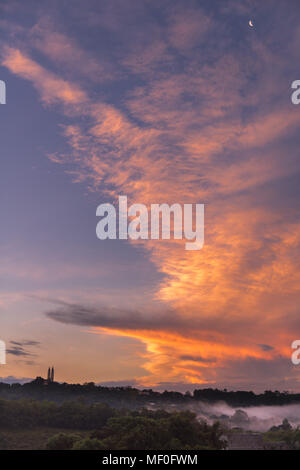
{"x": 164, "y": 101}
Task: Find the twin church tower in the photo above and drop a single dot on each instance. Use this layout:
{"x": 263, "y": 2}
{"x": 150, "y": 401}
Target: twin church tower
{"x": 50, "y": 376}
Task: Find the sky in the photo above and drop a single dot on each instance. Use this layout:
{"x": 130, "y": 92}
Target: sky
{"x": 169, "y": 101}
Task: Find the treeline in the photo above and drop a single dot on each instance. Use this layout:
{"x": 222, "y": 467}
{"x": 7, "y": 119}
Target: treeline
{"x": 110, "y": 428}
{"x": 17, "y": 414}
{"x": 245, "y": 398}
{"x": 133, "y": 398}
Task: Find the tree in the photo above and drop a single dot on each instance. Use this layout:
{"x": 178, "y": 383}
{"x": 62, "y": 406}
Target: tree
{"x": 89, "y": 444}
{"x": 62, "y": 441}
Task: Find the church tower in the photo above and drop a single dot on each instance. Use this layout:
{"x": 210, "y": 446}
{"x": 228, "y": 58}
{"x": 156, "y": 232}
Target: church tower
{"x": 50, "y": 375}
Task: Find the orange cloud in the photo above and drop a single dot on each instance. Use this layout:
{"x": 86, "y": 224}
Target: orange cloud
{"x": 52, "y": 88}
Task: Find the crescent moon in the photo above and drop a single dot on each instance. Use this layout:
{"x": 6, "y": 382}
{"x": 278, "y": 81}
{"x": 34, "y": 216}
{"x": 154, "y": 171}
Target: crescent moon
{"x": 251, "y": 24}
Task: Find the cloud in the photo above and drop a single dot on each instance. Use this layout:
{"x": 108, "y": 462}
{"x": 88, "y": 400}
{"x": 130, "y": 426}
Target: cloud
{"x": 66, "y": 53}
{"x": 173, "y": 341}
{"x": 265, "y": 347}
{"x": 195, "y": 359}
{"x": 11, "y": 379}
{"x": 25, "y": 343}
{"x": 18, "y": 351}
{"x": 22, "y": 348}
{"x": 52, "y": 88}
{"x": 187, "y": 27}
{"x": 105, "y": 317}
{"x": 209, "y": 124}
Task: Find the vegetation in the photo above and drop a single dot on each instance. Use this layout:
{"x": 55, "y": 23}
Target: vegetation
{"x": 108, "y": 428}
{"x": 284, "y": 433}
{"x": 133, "y": 398}
{"x": 62, "y": 441}
{"x": 69, "y": 415}
{"x": 33, "y": 438}
{"x": 40, "y": 415}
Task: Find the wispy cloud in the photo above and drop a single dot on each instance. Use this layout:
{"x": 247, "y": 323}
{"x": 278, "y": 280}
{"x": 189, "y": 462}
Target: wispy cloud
{"x": 52, "y": 88}
{"x": 22, "y": 348}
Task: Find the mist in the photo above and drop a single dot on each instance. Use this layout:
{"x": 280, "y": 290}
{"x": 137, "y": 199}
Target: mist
{"x": 256, "y": 418}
